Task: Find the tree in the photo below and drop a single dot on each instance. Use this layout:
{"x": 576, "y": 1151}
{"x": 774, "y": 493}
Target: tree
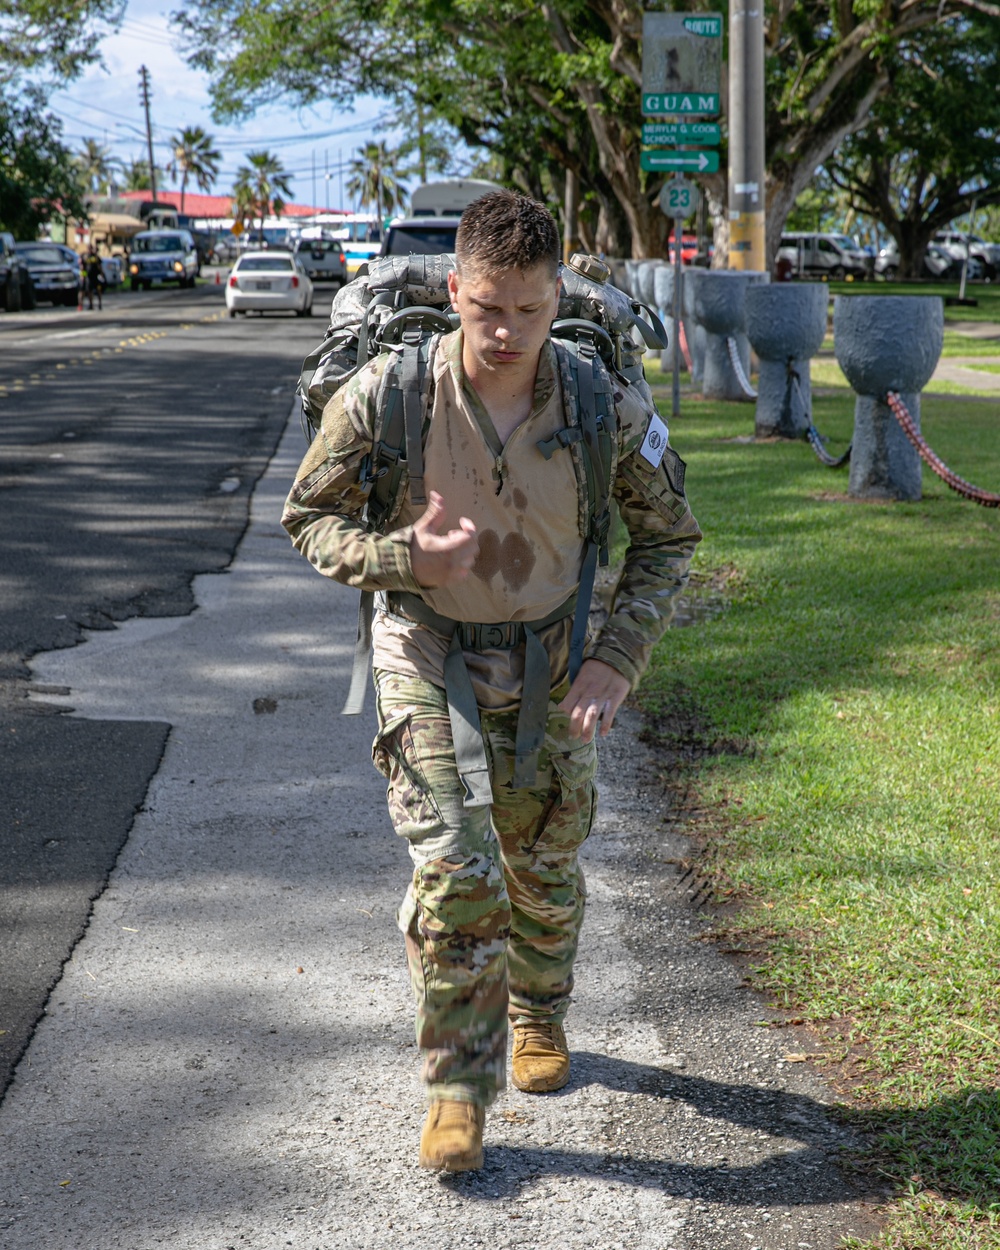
{"x": 194, "y": 157}
{"x": 60, "y": 37}
{"x": 932, "y": 146}
{"x": 38, "y": 178}
{"x": 135, "y": 175}
{"x": 95, "y": 167}
{"x": 373, "y": 179}
{"x": 553, "y": 85}
{"x": 259, "y": 186}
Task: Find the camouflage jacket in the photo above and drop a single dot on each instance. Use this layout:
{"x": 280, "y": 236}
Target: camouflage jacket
{"x": 323, "y": 514}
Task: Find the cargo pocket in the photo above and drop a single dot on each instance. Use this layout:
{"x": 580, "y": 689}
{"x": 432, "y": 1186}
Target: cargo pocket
{"x": 412, "y": 809}
{"x": 572, "y": 817}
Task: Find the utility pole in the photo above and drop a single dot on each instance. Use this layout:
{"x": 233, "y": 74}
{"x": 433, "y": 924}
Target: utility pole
{"x": 747, "y": 244}
{"x": 144, "y": 94}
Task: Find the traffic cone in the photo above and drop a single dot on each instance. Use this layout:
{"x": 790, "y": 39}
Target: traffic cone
{"x": 218, "y": 277}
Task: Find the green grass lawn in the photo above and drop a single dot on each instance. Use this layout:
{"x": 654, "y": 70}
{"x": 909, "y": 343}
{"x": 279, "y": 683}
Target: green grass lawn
{"x": 850, "y": 690}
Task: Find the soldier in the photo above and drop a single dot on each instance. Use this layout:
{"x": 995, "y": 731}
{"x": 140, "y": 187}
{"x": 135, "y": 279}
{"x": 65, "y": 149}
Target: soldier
{"x": 487, "y": 744}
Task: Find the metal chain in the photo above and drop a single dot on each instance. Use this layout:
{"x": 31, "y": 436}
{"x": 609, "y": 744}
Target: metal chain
{"x": 933, "y": 461}
{"x": 813, "y": 436}
{"x": 741, "y": 377}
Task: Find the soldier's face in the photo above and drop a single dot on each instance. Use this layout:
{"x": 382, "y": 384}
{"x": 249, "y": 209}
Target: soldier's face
{"x": 505, "y": 318}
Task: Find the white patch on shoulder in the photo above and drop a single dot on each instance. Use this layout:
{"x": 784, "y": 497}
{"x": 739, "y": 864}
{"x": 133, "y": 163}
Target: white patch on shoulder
{"x": 655, "y": 442}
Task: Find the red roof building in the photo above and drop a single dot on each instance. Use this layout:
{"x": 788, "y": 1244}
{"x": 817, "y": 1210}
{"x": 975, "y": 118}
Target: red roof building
{"x": 217, "y": 207}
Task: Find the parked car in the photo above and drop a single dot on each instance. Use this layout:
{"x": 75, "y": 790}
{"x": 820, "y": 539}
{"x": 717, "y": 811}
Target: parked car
{"x": 114, "y": 270}
{"x": 163, "y": 256}
{"x": 225, "y": 249}
{"x": 16, "y": 289}
{"x": 323, "y": 260}
{"x": 815, "y": 255}
{"x": 937, "y": 263}
{"x": 428, "y": 236}
{"x": 269, "y": 281}
{"x": 54, "y": 270}
{"x": 961, "y": 245}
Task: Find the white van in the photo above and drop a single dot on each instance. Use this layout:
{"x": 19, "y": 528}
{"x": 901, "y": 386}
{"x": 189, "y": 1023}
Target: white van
{"x": 817, "y": 255}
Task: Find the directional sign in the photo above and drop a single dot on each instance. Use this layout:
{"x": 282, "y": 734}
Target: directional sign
{"x": 682, "y": 132}
{"x": 689, "y": 162}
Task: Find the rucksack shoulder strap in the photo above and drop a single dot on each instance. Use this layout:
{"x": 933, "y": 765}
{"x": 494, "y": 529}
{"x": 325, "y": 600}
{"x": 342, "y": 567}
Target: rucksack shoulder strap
{"x": 591, "y": 438}
{"x": 402, "y": 415}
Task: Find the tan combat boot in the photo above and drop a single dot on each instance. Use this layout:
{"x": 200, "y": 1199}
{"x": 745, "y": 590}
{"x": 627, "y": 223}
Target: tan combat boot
{"x": 452, "y": 1140}
{"x": 541, "y": 1057}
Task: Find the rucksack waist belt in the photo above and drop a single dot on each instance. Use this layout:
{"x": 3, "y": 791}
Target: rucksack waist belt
{"x": 474, "y": 636}
{"x": 463, "y": 710}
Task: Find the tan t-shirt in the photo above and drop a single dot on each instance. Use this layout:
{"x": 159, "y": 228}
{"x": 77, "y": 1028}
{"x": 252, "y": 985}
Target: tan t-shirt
{"x": 526, "y": 513}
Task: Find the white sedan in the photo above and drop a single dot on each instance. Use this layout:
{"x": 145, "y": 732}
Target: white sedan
{"x": 266, "y": 281}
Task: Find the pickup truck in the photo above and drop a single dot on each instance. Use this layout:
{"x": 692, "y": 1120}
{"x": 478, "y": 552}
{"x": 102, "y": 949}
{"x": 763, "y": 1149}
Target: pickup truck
{"x": 163, "y": 256}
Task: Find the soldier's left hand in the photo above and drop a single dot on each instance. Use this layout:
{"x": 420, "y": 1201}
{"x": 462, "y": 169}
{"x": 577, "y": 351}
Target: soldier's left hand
{"x": 594, "y": 698}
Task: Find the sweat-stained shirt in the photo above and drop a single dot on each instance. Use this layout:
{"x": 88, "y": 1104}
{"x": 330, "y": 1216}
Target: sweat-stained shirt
{"x": 526, "y": 509}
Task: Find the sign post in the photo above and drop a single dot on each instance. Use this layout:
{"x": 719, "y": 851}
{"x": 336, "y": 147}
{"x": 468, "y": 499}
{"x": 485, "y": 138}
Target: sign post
{"x": 681, "y": 77}
{"x": 678, "y": 199}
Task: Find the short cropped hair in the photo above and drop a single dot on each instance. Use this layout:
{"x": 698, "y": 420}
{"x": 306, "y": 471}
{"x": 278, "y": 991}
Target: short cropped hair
{"x": 504, "y": 230}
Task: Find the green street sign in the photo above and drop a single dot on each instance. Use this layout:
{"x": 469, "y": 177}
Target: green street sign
{"x": 685, "y": 162}
{"x": 682, "y": 132}
{"x": 674, "y": 103}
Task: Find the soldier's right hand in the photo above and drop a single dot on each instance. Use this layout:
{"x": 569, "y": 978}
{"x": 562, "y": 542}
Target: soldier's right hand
{"x": 440, "y": 559}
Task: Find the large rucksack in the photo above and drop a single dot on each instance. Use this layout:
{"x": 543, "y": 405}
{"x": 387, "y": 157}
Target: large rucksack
{"x": 400, "y": 305}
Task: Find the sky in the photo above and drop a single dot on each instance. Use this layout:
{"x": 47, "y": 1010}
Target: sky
{"x": 104, "y": 104}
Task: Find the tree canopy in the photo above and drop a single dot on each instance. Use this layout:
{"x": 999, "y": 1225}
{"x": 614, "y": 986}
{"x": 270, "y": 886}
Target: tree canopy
{"x": 38, "y": 176}
{"x": 57, "y": 38}
{"x": 932, "y": 142}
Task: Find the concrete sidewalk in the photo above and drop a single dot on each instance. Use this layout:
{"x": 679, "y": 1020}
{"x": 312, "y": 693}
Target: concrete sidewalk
{"x": 228, "y": 1060}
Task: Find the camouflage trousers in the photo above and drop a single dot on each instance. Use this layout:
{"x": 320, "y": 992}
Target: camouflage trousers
{"x": 493, "y": 911}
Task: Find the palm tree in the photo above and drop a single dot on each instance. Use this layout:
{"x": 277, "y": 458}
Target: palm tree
{"x": 259, "y": 186}
{"x": 95, "y": 166}
{"x": 374, "y": 180}
{"x": 135, "y": 175}
{"x": 194, "y": 157}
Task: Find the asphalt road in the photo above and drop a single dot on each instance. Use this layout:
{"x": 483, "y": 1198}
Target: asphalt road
{"x": 130, "y": 443}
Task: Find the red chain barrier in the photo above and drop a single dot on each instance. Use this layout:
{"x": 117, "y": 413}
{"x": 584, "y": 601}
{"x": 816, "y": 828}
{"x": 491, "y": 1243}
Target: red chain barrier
{"x": 933, "y": 461}
{"x": 684, "y": 348}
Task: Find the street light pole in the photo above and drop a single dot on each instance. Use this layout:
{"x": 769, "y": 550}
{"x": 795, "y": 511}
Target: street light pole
{"x": 747, "y": 245}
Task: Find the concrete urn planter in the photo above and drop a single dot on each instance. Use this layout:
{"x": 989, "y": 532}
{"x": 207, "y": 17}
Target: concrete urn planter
{"x": 785, "y": 324}
{"x": 716, "y": 298}
{"x": 886, "y": 343}
{"x": 663, "y": 298}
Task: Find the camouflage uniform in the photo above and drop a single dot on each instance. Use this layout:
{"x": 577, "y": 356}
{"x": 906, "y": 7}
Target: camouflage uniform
{"x": 493, "y": 912}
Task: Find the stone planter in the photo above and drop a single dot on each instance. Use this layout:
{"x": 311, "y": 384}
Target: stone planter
{"x": 785, "y": 323}
{"x": 886, "y": 343}
{"x": 716, "y": 303}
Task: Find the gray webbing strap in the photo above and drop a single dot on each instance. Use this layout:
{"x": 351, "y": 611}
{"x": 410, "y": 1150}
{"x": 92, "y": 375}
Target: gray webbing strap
{"x": 413, "y": 419}
{"x": 463, "y": 709}
{"x": 466, "y": 731}
{"x": 359, "y": 673}
{"x": 533, "y": 713}
{"x": 581, "y": 618}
